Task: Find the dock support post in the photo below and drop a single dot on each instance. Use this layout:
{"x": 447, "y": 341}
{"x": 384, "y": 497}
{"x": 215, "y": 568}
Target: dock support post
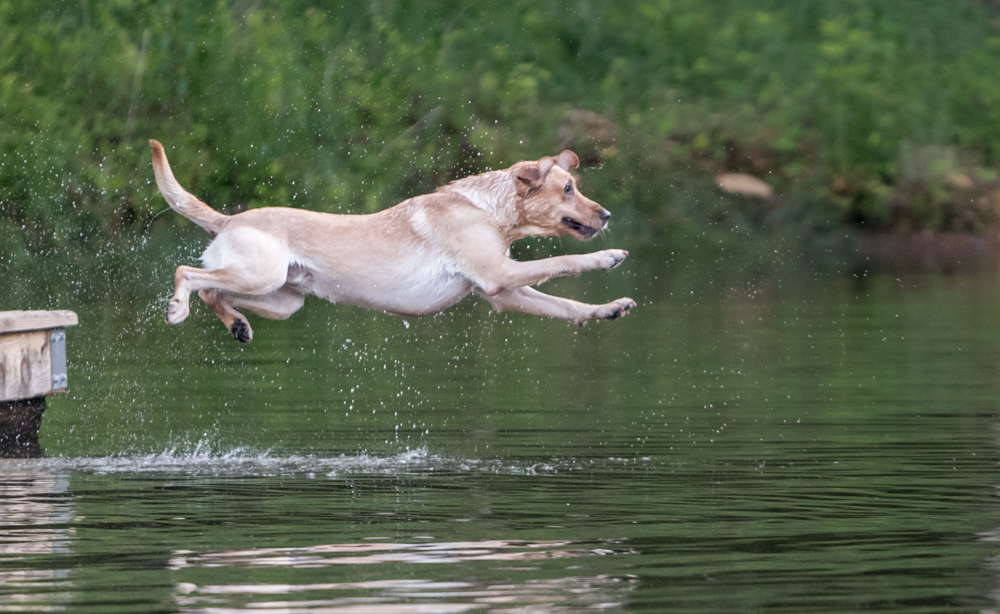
{"x": 20, "y": 422}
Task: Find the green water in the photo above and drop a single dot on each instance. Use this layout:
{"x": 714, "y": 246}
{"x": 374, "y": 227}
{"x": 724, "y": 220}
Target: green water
{"x": 820, "y": 443}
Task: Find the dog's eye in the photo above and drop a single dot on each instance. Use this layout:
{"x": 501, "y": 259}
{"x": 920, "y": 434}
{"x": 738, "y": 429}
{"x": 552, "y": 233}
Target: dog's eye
{"x": 569, "y": 188}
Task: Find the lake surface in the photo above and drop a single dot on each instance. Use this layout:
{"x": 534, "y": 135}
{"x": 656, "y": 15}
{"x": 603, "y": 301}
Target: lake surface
{"x": 741, "y": 443}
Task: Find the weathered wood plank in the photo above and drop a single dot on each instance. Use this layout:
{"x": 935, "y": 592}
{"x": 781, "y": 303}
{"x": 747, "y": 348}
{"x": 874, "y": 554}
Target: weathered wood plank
{"x": 25, "y": 365}
{"x": 17, "y": 321}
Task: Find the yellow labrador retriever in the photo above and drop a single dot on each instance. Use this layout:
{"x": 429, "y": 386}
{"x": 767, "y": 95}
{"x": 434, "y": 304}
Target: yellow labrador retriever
{"x": 420, "y": 256}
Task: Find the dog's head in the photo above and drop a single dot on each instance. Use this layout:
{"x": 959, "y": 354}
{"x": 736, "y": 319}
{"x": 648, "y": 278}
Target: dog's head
{"x": 550, "y": 203}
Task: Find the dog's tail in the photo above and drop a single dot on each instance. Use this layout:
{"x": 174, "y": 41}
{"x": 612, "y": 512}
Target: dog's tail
{"x": 179, "y": 199}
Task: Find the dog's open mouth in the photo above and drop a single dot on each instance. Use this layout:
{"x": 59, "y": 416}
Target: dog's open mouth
{"x": 581, "y": 229}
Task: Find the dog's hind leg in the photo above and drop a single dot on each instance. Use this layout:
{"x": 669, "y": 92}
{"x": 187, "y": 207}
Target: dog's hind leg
{"x": 188, "y": 279}
{"x": 244, "y": 261}
{"x": 236, "y": 323}
{"x": 529, "y": 300}
{"x": 277, "y": 305}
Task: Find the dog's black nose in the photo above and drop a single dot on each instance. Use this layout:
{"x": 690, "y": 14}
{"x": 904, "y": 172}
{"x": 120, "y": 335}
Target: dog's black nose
{"x": 604, "y": 214}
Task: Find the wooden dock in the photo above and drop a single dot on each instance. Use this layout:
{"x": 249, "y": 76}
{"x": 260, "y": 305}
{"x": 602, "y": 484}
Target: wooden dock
{"x": 32, "y": 365}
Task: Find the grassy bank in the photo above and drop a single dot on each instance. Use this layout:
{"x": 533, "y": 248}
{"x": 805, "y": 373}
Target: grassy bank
{"x": 860, "y": 113}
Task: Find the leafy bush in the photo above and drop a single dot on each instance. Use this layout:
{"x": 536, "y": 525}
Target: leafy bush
{"x": 352, "y": 108}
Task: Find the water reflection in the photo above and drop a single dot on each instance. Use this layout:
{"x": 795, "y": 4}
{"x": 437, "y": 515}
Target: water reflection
{"x": 572, "y": 593}
{"x": 34, "y": 510}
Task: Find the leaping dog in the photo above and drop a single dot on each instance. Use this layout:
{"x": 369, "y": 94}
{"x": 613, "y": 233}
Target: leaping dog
{"x": 420, "y": 256}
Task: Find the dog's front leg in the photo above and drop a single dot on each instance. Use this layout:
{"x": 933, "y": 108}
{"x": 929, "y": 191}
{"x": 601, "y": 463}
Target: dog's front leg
{"x": 502, "y": 273}
{"x": 575, "y": 264}
{"x": 472, "y": 240}
{"x": 529, "y": 300}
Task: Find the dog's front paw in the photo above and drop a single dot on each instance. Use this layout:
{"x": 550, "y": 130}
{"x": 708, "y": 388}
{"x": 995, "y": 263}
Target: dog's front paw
{"x": 241, "y": 331}
{"x": 611, "y": 311}
{"x": 177, "y": 311}
{"x": 610, "y": 258}
{"x": 616, "y": 309}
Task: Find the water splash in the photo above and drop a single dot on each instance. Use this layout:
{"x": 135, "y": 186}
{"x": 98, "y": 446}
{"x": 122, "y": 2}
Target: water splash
{"x": 205, "y": 459}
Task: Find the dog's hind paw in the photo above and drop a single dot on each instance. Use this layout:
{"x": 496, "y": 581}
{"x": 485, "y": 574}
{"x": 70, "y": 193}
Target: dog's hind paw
{"x": 241, "y": 331}
{"x": 177, "y": 311}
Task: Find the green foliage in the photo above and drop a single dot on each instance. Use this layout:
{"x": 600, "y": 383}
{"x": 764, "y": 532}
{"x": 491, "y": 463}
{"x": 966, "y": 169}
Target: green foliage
{"x": 351, "y": 108}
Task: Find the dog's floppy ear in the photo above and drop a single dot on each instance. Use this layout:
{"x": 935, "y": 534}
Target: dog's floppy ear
{"x": 529, "y": 173}
{"x": 567, "y": 160}
{"x": 534, "y": 173}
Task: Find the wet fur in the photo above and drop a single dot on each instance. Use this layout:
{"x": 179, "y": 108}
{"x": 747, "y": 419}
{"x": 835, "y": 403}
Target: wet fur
{"x": 420, "y": 256}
